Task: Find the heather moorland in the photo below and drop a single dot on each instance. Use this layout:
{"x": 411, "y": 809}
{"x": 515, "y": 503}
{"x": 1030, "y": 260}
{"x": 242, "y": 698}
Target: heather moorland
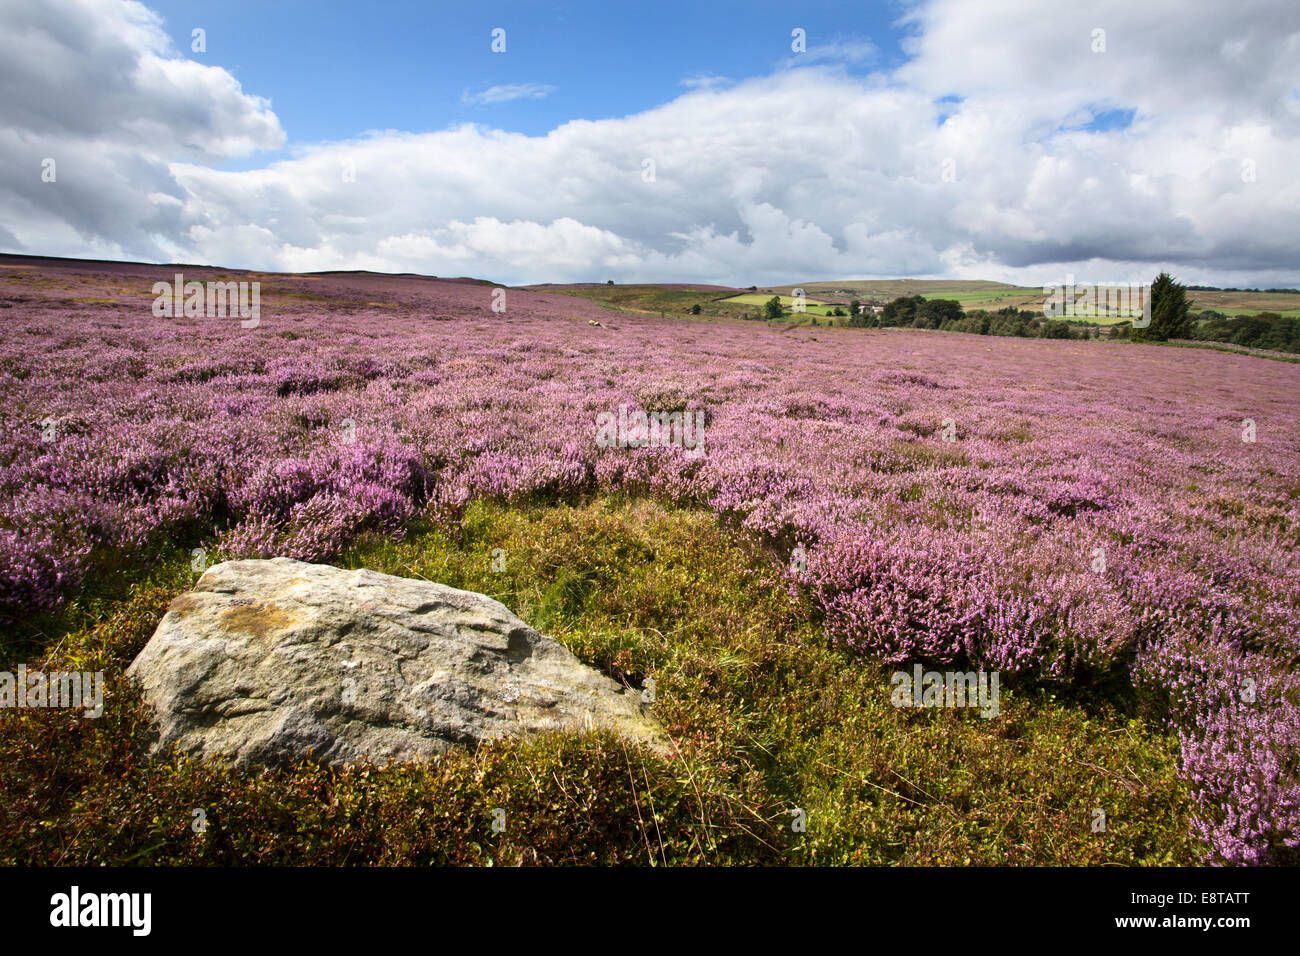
{"x": 1110, "y": 526}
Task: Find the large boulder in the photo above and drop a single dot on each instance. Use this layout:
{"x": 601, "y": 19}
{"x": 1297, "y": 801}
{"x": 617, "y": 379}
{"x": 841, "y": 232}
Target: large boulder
{"x": 267, "y": 662}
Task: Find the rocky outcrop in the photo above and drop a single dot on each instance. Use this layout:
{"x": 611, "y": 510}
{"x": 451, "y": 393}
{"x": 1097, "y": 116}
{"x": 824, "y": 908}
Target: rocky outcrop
{"x": 266, "y": 662}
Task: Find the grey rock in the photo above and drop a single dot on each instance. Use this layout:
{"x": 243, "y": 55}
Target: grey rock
{"x": 266, "y": 662}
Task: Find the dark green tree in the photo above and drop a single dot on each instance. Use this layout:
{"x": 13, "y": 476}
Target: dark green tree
{"x": 932, "y": 313}
{"x": 901, "y": 311}
{"x": 1169, "y": 312}
{"x": 772, "y": 308}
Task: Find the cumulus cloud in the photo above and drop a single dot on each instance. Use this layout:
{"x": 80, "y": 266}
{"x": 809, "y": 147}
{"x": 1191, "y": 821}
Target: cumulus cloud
{"x": 97, "y": 105}
{"x": 975, "y": 158}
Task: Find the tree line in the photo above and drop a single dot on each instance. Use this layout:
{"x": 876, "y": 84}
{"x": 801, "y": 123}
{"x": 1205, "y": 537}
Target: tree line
{"x": 1171, "y": 318}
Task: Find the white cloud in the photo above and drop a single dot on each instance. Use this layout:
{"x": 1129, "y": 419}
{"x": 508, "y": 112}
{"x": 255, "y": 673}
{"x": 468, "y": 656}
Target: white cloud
{"x": 97, "y": 88}
{"x": 836, "y": 50}
{"x": 506, "y": 92}
{"x": 703, "y": 81}
{"x": 808, "y": 173}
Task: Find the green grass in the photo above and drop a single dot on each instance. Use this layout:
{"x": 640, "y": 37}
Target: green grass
{"x": 677, "y": 303}
{"x": 117, "y": 578}
{"x": 1101, "y": 320}
{"x": 979, "y": 294}
{"x": 757, "y": 300}
{"x": 766, "y": 719}
{"x": 1236, "y": 313}
{"x": 972, "y": 294}
{"x": 761, "y": 299}
{"x": 654, "y": 300}
{"x": 1229, "y": 347}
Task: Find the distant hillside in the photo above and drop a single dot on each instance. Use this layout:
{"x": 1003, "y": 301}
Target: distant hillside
{"x": 971, "y": 293}
{"x": 980, "y": 294}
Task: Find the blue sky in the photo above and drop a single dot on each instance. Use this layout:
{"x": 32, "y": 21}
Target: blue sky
{"x": 336, "y": 69}
{"x": 1013, "y": 140}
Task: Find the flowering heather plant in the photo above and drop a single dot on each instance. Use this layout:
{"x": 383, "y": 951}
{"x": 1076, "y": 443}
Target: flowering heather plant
{"x": 1090, "y": 513}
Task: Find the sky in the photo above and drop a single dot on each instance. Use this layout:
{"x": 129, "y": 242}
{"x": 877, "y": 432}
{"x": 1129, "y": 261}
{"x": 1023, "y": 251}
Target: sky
{"x": 732, "y": 143}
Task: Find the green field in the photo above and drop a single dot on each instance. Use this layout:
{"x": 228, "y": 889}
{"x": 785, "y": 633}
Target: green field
{"x": 822, "y": 297}
{"x": 1199, "y": 304}
{"x": 677, "y": 303}
{"x": 972, "y": 294}
{"x": 652, "y": 299}
{"x": 979, "y": 294}
{"x": 760, "y": 299}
